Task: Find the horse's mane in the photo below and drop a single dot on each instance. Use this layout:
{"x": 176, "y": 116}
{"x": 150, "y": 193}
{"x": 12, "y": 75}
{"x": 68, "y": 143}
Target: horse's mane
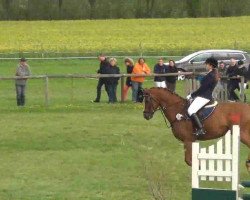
{"x": 168, "y": 90}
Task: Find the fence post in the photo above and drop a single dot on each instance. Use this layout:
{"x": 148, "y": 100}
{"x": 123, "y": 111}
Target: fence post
{"x": 242, "y": 92}
{"x": 226, "y": 92}
{"x": 122, "y": 91}
{"x": 46, "y": 90}
{"x": 72, "y": 89}
{"x": 235, "y": 159}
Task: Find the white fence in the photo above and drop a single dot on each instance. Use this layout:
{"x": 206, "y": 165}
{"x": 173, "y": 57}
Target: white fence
{"x": 219, "y": 162}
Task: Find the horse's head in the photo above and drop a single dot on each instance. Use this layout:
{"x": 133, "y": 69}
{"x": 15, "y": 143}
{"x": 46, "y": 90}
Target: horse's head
{"x": 151, "y": 104}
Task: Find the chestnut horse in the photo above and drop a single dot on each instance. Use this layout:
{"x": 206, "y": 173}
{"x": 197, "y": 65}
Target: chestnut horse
{"x": 215, "y": 125}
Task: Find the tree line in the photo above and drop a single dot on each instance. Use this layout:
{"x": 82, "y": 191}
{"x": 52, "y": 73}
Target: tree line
{"x": 112, "y": 9}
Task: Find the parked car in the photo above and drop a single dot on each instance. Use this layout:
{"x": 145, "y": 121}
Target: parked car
{"x": 195, "y": 61}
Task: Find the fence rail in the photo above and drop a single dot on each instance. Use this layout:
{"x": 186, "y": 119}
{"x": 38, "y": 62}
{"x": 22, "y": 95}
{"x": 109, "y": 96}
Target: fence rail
{"x": 191, "y": 83}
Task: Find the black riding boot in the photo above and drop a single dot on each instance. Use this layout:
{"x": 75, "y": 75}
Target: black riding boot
{"x": 198, "y": 124}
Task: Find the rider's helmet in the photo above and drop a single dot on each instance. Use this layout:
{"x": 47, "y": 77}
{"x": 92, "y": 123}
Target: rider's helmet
{"x": 212, "y": 61}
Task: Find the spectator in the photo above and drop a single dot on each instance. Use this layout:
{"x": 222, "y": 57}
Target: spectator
{"x": 160, "y": 68}
{"x": 129, "y": 63}
{"x": 104, "y": 65}
{"x": 242, "y": 72}
{"x": 247, "y": 75}
{"x": 221, "y": 85}
{"x": 140, "y": 68}
{"x": 233, "y": 83}
{"x": 112, "y": 82}
{"x": 171, "y": 80}
{"x": 21, "y": 71}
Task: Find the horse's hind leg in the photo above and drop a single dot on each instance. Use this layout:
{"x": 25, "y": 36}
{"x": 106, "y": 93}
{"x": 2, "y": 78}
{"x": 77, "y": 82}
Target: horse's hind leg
{"x": 245, "y": 139}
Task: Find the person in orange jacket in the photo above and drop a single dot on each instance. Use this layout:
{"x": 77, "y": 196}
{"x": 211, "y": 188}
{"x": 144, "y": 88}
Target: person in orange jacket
{"x": 140, "y": 68}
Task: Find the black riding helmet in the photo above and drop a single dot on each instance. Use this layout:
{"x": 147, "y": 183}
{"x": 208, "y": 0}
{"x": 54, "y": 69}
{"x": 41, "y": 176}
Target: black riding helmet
{"x": 212, "y": 61}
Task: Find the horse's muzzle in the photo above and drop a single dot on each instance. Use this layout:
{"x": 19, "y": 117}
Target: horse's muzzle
{"x": 147, "y": 115}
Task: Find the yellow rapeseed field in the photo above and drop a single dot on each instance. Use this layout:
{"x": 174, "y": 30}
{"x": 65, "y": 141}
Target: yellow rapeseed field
{"x": 132, "y": 35}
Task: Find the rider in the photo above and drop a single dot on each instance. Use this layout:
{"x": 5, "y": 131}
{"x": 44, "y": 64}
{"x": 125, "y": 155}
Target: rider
{"x": 204, "y": 94}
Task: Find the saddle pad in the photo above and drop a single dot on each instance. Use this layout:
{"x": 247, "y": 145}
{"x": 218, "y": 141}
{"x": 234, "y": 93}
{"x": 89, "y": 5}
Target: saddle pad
{"x": 205, "y": 112}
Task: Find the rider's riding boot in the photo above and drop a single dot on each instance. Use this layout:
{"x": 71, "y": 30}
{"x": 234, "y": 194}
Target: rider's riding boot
{"x": 198, "y": 124}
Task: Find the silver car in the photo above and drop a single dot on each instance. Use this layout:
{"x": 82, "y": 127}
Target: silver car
{"x": 195, "y": 61}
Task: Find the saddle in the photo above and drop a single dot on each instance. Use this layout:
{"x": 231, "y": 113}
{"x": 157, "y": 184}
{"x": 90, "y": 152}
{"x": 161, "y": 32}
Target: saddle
{"x": 207, "y": 110}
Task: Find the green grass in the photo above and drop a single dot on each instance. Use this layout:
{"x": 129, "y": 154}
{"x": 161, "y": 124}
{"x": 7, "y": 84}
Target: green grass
{"x": 130, "y": 36}
{"x": 76, "y": 150}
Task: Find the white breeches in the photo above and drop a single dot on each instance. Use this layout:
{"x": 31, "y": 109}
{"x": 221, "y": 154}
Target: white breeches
{"x": 197, "y": 104}
{"x": 161, "y": 84}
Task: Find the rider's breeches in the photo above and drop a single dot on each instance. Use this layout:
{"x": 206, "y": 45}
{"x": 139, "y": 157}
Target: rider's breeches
{"x": 197, "y": 104}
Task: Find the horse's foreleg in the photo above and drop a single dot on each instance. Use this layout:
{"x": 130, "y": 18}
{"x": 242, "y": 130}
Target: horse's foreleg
{"x": 188, "y": 153}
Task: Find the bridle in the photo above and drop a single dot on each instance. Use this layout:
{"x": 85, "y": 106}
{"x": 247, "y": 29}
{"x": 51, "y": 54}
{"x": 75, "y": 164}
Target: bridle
{"x": 151, "y": 99}
{"x": 161, "y": 108}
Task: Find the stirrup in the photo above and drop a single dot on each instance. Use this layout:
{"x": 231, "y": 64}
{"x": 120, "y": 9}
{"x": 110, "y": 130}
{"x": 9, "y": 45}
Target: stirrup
{"x": 200, "y": 132}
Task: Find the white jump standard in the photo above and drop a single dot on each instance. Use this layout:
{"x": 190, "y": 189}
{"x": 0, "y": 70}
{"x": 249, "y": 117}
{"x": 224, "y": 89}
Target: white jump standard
{"x": 218, "y": 162}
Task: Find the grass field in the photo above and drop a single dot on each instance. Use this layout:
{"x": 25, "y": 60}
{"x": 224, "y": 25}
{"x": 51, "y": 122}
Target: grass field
{"x": 76, "y": 150}
{"x": 168, "y": 36}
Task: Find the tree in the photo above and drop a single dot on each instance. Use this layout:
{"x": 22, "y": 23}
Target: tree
{"x": 60, "y": 3}
{"x": 150, "y": 6}
{"x": 92, "y": 8}
{"x": 193, "y": 8}
{"x": 139, "y": 9}
{"x": 6, "y": 6}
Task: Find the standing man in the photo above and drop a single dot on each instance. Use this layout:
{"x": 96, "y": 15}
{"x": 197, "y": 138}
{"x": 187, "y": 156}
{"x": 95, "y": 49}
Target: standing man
{"x": 160, "y": 68}
{"x": 233, "y": 83}
{"x": 221, "y": 85}
{"x": 21, "y": 71}
{"x": 112, "y": 82}
{"x": 104, "y": 67}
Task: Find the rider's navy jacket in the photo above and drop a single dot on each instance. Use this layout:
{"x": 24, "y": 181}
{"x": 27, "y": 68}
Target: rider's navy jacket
{"x": 207, "y": 86}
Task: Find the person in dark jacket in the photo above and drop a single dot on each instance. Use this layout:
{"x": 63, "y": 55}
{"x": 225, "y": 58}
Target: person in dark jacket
{"x": 160, "y": 68}
{"x": 222, "y": 83}
{"x": 171, "y": 80}
{"x": 129, "y": 63}
{"x": 104, "y": 65}
{"x": 204, "y": 93}
{"x": 242, "y": 72}
{"x": 233, "y": 83}
{"x": 112, "y": 82}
